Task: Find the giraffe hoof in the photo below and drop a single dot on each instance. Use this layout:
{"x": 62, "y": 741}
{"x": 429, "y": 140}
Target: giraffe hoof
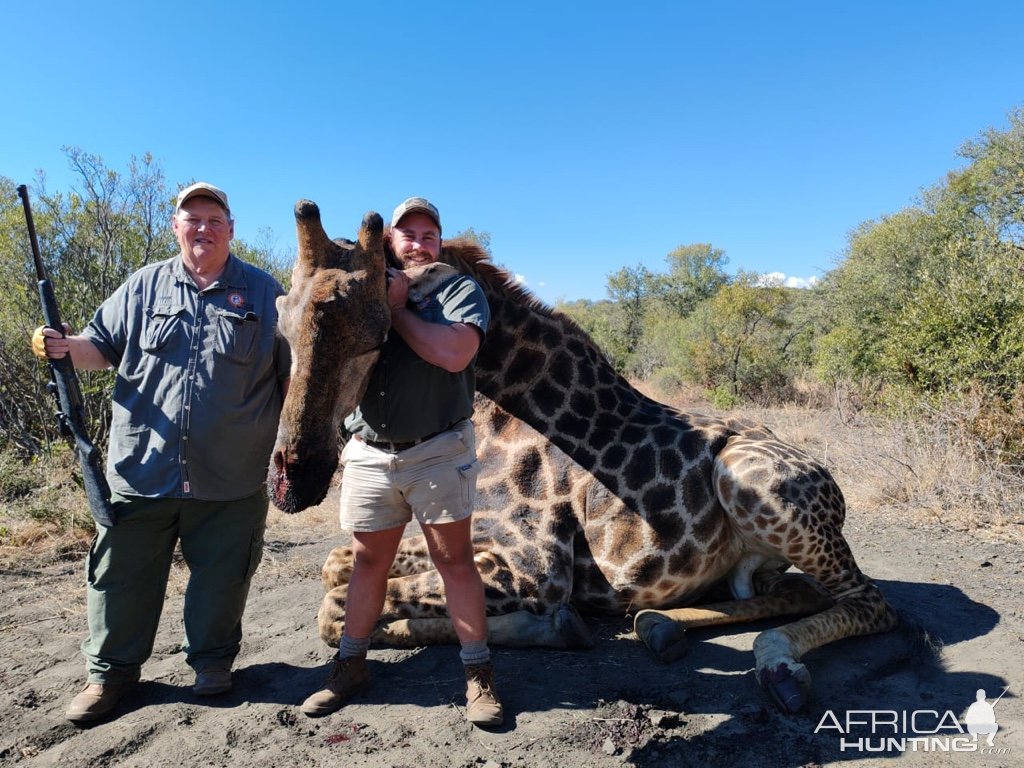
{"x": 663, "y": 637}
{"x": 571, "y": 627}
{"x": 788, "y": 688}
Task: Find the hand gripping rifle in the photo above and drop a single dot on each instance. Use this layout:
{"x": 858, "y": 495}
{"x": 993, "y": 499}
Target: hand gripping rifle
{"x": 64, "y": 385}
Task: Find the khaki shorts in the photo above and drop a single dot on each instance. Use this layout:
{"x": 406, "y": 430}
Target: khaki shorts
{"x": 435, "y": 481}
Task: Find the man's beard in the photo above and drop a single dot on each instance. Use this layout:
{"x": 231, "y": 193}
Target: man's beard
{"x": 414, "y": 258}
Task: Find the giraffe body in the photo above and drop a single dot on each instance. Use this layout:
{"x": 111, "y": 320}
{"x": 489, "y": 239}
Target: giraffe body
{"x": 597, "y": 498}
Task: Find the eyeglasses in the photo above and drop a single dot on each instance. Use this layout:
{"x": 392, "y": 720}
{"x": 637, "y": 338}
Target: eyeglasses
{"x": 195, "y": 222}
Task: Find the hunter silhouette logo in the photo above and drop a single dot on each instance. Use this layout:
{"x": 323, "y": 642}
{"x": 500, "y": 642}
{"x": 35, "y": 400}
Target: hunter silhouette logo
{"x": 981, "y": 717}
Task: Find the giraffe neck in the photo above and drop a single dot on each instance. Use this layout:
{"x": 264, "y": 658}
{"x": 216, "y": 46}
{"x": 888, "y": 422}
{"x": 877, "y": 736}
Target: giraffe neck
{"x": 542, "y": 368}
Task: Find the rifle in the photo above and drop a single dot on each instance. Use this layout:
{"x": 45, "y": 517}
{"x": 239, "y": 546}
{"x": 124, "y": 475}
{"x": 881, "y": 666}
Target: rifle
{"x": 65, "y": 387}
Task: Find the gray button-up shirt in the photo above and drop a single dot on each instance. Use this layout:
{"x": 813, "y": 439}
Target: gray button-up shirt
{"x": 198, "y": 390}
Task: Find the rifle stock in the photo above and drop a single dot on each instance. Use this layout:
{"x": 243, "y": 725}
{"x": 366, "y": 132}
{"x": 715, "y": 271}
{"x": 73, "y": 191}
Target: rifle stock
{"x": 64, "y": 384}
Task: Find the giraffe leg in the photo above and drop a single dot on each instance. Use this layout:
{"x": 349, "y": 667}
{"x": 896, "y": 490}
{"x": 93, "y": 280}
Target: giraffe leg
{"x": 562, "y": 628}
{"x": 412, "y": 557}
{"x": 777, "y": 652}
{"x": 330, "y": 619}
{"x": 415, "y": 612}
{"x": 418, "y": 595}
{"x": 783, "y": 502}
{"x": 664, "y": 631}
{"x": 857, "y": 607}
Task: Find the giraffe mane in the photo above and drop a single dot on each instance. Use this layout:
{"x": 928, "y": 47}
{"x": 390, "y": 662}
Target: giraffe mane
{"x": 469, "y": 257}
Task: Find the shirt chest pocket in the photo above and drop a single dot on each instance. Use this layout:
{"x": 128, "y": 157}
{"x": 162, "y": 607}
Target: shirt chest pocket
{"x": 163, "y": 323}
{"x": 236, "y": 337}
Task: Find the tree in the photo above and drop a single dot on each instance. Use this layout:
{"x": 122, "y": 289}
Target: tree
{"x": 23, "y": 399}
{"x": 993, "y": 186}
{"x": 264, "y": 254}
{"x": 696, "y": 272}
{"x": 631, "y": 288}
{"x": 863, "y": 295}
{"x": 91, "y": 239}
{"x": 600, "y": 320}
{"x": 483, "y": 239}
{"x": 736, "y": 340}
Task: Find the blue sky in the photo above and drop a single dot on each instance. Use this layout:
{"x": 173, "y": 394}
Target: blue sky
{"x": 583, "y": 136}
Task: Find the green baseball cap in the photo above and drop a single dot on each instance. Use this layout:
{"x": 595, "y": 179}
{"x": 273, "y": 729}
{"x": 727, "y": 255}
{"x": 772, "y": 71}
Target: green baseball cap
{"x": 416, "y": 205}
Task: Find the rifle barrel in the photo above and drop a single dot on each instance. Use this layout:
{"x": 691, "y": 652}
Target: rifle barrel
{"x": 36, "y": 255}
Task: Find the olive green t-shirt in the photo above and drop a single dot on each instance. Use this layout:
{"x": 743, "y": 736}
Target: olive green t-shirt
{"x": 408, "y": 398}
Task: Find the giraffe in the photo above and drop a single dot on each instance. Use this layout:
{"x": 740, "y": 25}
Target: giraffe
{"x": 335, "y": 317}
{"x": 597, "y": 498}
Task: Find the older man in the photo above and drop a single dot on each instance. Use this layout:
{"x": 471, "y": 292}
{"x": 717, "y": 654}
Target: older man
{"x": 201, "y": 376}
{"x": 413, "y": 453}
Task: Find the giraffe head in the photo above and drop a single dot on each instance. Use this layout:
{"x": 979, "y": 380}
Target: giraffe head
{"x": 335, "y": 317}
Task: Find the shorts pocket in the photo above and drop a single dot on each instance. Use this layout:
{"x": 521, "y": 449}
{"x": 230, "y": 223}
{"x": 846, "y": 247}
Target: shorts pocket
{"x": 343, "y": 456}
{"x": 467, "y": 480}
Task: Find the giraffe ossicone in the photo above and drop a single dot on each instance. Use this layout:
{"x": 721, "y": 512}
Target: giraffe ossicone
{"x": 593, "y": 497}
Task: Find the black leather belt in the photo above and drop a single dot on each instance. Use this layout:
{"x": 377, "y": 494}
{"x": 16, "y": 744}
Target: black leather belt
{"x": 385, "y": 445}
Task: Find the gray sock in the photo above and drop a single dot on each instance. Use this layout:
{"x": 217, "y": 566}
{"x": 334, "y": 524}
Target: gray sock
{"x": 475, "y": 652}
{"x": 353, "y": 647}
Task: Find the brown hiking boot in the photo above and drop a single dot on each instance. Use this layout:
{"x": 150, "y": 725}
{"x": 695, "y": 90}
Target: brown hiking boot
{"x": 212, "y": 681}
{"x": 95, "y": 701}
{"x": 347, "y": 677}
{"x": 483, "y": 707}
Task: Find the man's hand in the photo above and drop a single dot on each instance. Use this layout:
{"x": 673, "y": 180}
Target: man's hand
{"x": 49, "y": 344}
{"x": 398, "y": 289}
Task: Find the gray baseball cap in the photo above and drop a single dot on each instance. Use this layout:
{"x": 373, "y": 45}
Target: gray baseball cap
{"x": 202, "y": 189}
{"x": 416, "y": 205}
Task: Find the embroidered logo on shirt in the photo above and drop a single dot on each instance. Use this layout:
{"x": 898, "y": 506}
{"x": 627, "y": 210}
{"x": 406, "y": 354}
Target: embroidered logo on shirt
{"x": 235, "y": 299}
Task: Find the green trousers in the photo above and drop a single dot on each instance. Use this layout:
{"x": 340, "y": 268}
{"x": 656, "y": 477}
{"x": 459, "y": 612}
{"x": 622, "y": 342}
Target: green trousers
{"x": 127, "y": 570}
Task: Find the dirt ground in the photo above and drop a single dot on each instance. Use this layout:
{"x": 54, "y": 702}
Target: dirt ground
{"x": 614, "y": 705}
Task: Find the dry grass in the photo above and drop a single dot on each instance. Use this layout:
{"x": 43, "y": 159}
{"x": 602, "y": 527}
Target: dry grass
{"x": 919, "y": 470}
{"x": 43, "y": 511}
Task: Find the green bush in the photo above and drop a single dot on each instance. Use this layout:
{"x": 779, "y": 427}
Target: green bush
{"x": 18, "y": 478}
{"x": 723, "y": 398}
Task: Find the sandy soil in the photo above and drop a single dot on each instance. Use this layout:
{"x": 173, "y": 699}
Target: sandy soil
{"x": 614, "y": 705}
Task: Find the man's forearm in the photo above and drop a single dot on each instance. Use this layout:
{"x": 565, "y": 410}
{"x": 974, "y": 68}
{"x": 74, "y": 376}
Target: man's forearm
{"x": 86, "y": 355}
{"x": 450, "y": 347}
